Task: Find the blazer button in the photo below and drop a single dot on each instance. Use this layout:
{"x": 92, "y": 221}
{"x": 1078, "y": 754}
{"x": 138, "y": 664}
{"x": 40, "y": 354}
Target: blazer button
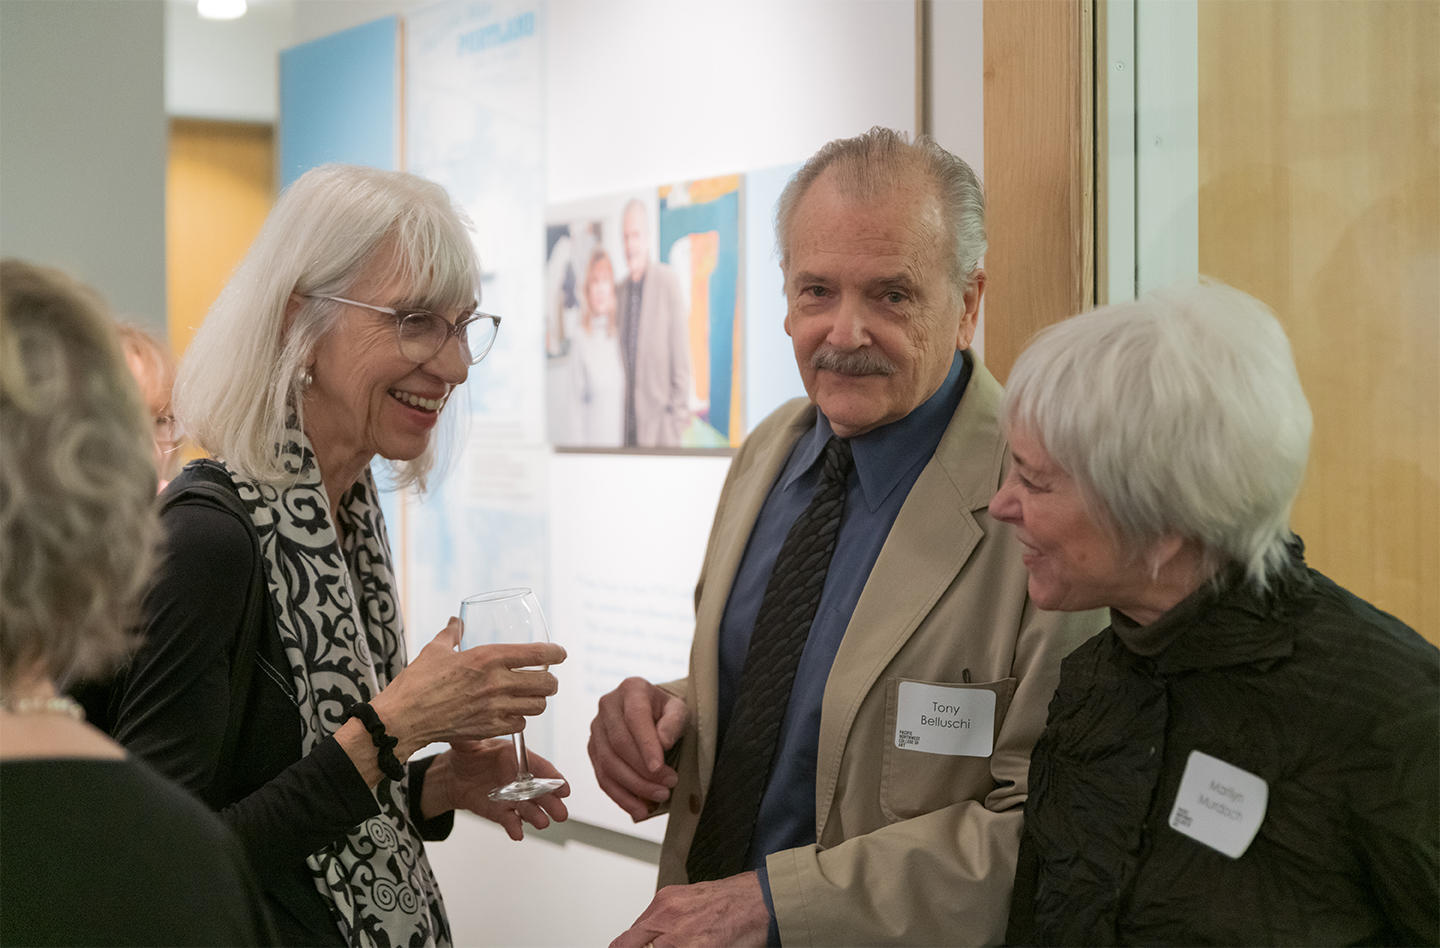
{"x": 694, "y": 803}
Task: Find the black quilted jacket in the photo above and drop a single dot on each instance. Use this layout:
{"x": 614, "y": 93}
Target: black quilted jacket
{"x": 1332, "y": 702}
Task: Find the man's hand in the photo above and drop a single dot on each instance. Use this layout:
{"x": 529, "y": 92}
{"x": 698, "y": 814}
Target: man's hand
{"x": 634, "y": 727}
{"x": 728, "y": 912}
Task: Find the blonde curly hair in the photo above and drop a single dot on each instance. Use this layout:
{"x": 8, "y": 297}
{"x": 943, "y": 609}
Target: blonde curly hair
{"x": 78, "y": 522}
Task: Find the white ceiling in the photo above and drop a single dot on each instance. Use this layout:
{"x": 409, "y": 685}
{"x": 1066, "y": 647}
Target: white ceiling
{"x": 229, "y": 69}
{"x": 226, "y": 69}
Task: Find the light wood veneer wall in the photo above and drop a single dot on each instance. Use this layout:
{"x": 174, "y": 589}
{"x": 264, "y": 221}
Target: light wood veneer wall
{"x": 1320, "y": 194}
{"x": 1039, "y": 170}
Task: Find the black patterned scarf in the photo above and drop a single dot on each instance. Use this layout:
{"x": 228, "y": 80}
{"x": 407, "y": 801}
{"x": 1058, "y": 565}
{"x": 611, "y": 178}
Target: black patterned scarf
{"x": 340, "y": 623}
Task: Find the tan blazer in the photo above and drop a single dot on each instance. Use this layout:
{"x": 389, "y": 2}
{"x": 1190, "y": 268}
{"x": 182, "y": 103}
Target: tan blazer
{"x": 914, "y": 848}
{"x": 662, "y": 358}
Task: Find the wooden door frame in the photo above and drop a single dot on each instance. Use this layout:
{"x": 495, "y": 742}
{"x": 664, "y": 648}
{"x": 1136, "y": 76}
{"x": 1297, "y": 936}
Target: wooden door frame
{"x": 1040, "y": 160}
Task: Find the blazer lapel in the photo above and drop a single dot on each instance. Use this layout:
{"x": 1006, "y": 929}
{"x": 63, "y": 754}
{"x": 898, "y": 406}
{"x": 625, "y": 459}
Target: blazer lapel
{"x": 931, "y": 540}
{"x": 731, "y": 533}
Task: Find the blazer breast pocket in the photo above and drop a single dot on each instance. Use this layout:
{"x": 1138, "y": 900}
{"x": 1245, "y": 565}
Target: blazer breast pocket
{"x": 939, "y": 736}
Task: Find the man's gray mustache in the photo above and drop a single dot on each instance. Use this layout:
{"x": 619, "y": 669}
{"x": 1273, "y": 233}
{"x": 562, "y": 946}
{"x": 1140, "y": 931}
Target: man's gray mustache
{"x": 856, "y": 362}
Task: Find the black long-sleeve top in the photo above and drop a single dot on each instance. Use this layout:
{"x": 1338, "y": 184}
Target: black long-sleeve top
{"x": 176, "y": 700}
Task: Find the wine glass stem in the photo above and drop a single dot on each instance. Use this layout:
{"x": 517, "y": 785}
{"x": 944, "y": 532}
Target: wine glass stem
{"x": 523, "y": 755}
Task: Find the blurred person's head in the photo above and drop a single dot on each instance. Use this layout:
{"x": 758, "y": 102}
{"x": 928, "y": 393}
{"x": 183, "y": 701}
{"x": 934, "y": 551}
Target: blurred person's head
{"x": 1167, "y": 434}
{"x": 635, "y": 230}
{"x": 598, "y": 313}
{"x": 880, "y": 241}
{"x": 78, "y": 521}
{"x": 153, "y": 365}
{"x": 275, "y": 347}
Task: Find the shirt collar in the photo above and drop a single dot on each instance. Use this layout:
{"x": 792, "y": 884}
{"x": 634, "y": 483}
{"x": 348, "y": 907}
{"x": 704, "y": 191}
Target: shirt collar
{"x": 884, "y": 455}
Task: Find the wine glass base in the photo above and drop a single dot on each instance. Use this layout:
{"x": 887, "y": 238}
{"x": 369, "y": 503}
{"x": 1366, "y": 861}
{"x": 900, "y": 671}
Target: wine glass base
{"x": 527, "y": 789}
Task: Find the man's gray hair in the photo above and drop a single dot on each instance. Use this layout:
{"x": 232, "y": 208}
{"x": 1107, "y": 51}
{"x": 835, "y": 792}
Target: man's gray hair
{"x": 241, "y": 377}
{"x": 869, "y": 165}
{"x": 78, "y": 523}
{"x": 1180, "y": 412}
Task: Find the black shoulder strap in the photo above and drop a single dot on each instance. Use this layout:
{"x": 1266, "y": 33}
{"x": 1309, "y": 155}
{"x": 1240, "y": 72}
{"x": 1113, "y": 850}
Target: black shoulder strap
{"x": 207, "y": 483}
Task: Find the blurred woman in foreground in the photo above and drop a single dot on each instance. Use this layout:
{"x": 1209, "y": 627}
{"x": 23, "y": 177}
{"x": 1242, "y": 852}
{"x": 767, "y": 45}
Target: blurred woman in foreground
{"x": 98, "y": 848}
{"x": 273, "y": 679}
{"x": 1248, "y": 754}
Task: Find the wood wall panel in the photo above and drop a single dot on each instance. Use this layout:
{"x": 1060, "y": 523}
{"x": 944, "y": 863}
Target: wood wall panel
{"x": 1320, "y": 194}
{"x": 219, "y": 186}
{"x": 1039, "y": 170}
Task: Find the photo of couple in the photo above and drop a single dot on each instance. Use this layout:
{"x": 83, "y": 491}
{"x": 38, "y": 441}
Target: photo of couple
{"x": 643, "y": 324}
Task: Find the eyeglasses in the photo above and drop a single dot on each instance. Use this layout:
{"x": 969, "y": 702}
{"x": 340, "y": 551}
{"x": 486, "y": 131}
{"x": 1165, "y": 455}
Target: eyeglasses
{"x": 167, "y": 433}
{"x": 421, "y": 335}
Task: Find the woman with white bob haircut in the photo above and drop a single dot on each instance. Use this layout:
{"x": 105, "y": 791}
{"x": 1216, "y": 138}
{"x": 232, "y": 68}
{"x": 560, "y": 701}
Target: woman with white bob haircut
{"x": 1248, "y": 754}
{"x": 272, "y": 680}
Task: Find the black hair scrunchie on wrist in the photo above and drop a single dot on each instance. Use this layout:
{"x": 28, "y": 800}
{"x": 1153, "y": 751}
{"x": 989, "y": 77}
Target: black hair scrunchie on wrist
{"x": 390, "y": 766}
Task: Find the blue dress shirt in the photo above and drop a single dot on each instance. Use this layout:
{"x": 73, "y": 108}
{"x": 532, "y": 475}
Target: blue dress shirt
{"x": 888, "y": 461}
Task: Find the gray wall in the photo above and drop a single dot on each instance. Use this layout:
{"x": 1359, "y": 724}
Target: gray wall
{"x": 82, "y": 144}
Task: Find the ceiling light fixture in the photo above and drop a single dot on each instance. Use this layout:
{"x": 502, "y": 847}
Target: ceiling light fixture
{"x": 221, "y": 9}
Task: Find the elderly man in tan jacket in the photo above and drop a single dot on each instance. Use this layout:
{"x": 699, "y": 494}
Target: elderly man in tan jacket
{"x": 846, "y": 763}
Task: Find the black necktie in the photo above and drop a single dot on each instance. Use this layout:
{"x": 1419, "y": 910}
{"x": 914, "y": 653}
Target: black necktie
{"x": 721, "y": 846}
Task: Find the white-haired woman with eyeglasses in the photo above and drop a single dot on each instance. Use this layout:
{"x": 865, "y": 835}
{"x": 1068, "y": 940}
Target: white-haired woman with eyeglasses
{"x": 98, "y": 849}
{"x": 153, "y": 365}
{"x": 340, "y": 339}
{"x": 1248, "y": 754}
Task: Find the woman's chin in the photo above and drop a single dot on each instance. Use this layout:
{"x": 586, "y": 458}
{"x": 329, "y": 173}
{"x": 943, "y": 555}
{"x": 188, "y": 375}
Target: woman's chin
{"x": 404, "y": 448}
{"x": 1046, "y": 596}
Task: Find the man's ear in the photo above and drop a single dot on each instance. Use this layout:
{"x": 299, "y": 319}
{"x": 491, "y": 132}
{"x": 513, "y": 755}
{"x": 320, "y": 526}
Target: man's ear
{"x": 970, "y": 318}
{"x": 785, "y": 289}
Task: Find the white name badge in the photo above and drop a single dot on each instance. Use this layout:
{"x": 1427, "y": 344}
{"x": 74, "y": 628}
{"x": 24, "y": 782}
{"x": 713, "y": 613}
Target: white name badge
{"x": 935, "y": 719}
{"x": 1219, "y": 804}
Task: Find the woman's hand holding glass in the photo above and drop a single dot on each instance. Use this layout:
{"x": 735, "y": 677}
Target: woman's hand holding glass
{"x": 463, "y": 778}
{"x": 445, "y": 695}
{"x": 466, "y": 698}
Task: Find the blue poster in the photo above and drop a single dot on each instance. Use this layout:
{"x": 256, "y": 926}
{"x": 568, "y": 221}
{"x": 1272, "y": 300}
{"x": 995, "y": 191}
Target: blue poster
{"x": 339, "y": 100}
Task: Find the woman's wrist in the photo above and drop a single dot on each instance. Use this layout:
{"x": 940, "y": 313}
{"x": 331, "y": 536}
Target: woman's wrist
{"x": 385, "y": 744}
{"x": 408, "y": 740}
{"x": 355, "y": 741}
{"x": 437, "y": 793}
{"x": 359, "y": 744}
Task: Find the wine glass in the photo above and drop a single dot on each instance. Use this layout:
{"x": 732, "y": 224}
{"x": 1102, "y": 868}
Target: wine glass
{"x": 509, "y": 615}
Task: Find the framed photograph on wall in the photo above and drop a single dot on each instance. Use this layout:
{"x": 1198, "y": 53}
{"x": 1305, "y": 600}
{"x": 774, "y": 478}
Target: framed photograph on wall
{"x": 643, "y": 319}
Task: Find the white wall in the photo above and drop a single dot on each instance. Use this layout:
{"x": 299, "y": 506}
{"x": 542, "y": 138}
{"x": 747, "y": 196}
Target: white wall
{"x": 644, "y": 92}
{"x": 955, "y": 66}
{"x": 551, "y": 890}
{"x": 226, "y": 69}
{"x": 82, "y": 145}
{"x": 955, "y": 62}
{"x": 317, "y": 18}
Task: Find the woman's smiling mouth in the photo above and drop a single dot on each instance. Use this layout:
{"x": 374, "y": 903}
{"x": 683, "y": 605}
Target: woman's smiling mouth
{"x": 416, "y": 401}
